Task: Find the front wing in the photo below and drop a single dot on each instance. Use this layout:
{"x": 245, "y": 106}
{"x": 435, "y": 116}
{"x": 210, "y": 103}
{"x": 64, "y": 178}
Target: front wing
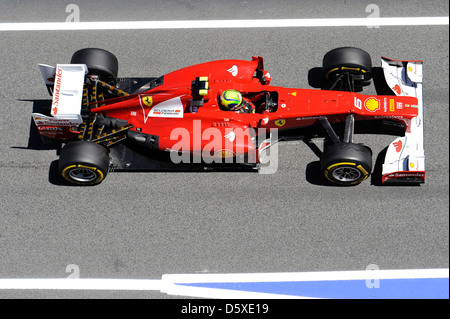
{"x": 405, "y": 157}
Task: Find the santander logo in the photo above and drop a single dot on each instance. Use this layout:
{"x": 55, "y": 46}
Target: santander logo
{"x": 398, "y": 146}
{"x": 397, "y": 89}
{"x": 231, "y": 136}
{"x": 233, "y": 70}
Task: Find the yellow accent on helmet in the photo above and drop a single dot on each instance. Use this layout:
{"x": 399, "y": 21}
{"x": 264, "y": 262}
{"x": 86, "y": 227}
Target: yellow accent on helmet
{"x": 230, "y": 99}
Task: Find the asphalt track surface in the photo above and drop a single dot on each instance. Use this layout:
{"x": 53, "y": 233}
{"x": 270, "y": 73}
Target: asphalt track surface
{"x": 144, "y": 225}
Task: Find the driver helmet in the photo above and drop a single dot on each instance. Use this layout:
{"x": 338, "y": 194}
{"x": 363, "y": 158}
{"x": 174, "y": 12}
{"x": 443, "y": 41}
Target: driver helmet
{"x": 231, "y": 99}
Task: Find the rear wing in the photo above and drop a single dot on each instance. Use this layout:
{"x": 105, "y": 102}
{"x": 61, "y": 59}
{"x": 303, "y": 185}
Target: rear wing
{"x": 65, "y": 83}
{"x": 405, "y": 156}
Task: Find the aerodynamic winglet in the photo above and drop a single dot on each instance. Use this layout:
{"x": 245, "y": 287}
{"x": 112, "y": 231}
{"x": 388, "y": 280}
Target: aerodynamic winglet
{"x": 405, "y": 156}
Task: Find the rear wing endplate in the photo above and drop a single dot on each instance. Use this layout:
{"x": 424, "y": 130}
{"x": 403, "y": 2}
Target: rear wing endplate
{"x": 65, "y": 83}
{"x": 405, "y": 157}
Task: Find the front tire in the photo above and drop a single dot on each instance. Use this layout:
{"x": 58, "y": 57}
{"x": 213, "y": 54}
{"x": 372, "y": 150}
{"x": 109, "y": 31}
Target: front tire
{"x": 346, "y": 164}
{"x": 84, "y": 163}
{"x": 348, "y": 60}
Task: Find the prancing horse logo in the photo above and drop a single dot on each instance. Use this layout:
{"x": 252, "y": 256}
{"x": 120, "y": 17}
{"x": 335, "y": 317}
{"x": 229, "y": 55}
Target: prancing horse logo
{"x": 280, "y": 123}
{"x": 147, "y": 100}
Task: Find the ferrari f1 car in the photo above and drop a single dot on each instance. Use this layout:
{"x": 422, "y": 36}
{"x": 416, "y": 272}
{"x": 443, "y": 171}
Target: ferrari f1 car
{"x": 106, "y": 123}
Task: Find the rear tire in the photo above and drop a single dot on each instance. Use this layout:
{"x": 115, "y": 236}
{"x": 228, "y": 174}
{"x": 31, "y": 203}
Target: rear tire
{"x": 346, "y": 164}
{"x": 84, "y": 163}
{"x": 100, "y": 62}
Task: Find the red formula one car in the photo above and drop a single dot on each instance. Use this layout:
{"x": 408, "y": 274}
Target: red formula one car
{"x": 180, "y": 120}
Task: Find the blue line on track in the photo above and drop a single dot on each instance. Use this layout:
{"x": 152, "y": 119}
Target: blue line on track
{"x": 417, "y": 288}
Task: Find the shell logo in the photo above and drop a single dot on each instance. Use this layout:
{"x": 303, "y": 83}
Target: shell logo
{"x": 225, "y": 154}
{"x": 372, "y": 104}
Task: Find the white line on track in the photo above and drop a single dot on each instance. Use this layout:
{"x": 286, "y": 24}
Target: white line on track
{"x": 80, "y": 284}
{"x": 172, "y": 284}
{"x": 307, "y": 276}
{"x": 223, "y": 24}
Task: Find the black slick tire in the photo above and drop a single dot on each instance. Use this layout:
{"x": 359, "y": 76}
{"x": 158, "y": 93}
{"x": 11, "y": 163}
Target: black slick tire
{"x": 346, "y": 164}
{"x": 348, "y": 59}
{"x": 100, "y": 62}
{"x": 84, "y": 163}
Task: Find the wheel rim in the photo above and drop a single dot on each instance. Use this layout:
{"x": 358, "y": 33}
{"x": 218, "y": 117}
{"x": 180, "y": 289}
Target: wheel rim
{"x": 346, "y": 174}
{"x": 82, "y": 175}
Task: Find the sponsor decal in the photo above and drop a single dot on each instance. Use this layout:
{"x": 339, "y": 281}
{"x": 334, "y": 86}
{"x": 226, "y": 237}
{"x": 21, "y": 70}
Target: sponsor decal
{"x": 397, "y": 89}
{"x": 391, "y": 105}
{"x": 372, "y": 104}
{"x": 54, "y": 122}
{"x": 57, "y": 92}
{"x": 280, "y": 123}
{"x": 303, "y": 118}
{"x": 224, "y": 154}
{"x": 407, "y": 174}
{"x": 231, "y": 136}
{"x": 147, "y": 100}
{"x": 233, "y": 70}
{"x": 398, "y": 146}
{"x": 50, "y": 128}
{"x": 397, "y": 117}
{"x": 172, "y": 108}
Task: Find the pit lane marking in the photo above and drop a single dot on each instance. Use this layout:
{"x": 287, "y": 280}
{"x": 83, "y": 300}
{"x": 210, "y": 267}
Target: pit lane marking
{"x": 80, "y": 284}
{"x": 413, "y": 283}
{"x": 227, "y": 24}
